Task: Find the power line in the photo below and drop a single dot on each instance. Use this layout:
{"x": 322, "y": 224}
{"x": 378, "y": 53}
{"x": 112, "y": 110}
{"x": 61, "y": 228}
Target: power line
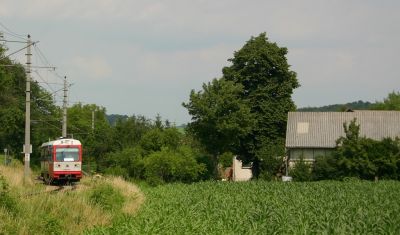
{"x": 44, "y": 81}
{"x": 11, "y": 32}
{"x": 45, "y": 61}
{"x": 33, "y": 43}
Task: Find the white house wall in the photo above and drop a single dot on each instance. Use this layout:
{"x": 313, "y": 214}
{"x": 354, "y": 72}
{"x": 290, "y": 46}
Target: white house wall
{"x": 240, "y": 173}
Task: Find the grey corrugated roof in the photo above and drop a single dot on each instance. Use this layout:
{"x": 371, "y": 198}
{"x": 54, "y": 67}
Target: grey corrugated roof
{"x": 324, "y": 128}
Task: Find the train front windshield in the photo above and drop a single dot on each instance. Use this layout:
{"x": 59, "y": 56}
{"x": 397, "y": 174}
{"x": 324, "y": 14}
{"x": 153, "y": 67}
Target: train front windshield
{"x": 67, "y": 154}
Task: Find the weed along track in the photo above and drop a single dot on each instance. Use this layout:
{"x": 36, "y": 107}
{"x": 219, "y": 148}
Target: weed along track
{"x": 50, "y": 189}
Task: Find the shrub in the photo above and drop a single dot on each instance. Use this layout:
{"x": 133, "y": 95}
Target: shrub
{"x": 117, "y": 171}
{"x": 325, "y": 167}
{"x": 301, "y": 171}
{"x": 6, "y": 200}
{"x": 226, "y": 159}
{"x": 107, "y": 197}
{"x": 170, "y": 166}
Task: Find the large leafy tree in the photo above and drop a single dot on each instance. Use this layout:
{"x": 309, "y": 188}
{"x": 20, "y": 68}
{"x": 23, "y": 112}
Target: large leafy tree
{"x": 45, "y": 115}
{"x": 220, "y": 118}
{"x": 262, "y": 69}
{"x": 259, "y": 83}
{"x": 96, "y": 142}
{"x": 366, "y": 158}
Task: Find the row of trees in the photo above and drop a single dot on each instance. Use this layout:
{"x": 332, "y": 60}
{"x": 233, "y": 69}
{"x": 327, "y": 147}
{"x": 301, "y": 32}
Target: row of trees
{"x": 12, "y": 108}
{"x": 137, "y": 147}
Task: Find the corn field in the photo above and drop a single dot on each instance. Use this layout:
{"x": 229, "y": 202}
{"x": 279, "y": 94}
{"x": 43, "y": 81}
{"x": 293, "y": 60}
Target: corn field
{"x": 354, "y": 207}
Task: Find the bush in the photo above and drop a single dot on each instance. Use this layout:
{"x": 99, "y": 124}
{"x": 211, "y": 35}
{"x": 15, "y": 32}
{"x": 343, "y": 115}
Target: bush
{"x": 325, "y": 167}
{"x": 6, "y": 200}
{"x": 117, "y": 171}
{"x": 171, "y": 166}
{"x": 126, "y": 163}
{"x": 367, "y": 158}
{"x": 107, "y": 197}
{"x": 301, "y": 171}
{"x": 226, "y": 159}
{"x": 270, "y": 162}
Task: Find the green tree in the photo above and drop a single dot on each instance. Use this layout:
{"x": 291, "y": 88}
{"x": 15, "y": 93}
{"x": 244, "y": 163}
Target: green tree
{"x": 301, "y": 171}
{"x": 167, "y": 165}
{"x": 129, "y": 131}
{"x": 45, "y": 115}
{"x": 259, "y": 83}
{"x": 97, "y": 142}
{"x": 392, "y": 102}
{"x": 367, "y": 158}
{"x": 220, "y": 118}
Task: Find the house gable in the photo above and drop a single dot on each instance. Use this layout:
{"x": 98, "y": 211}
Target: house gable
{"x": 309, "y": 130}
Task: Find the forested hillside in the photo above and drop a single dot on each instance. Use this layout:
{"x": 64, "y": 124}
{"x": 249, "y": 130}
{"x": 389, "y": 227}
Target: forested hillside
{"x": 356, "y": 105}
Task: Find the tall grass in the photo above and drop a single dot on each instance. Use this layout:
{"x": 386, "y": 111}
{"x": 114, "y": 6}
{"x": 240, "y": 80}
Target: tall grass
{"x": 69, "y": 212}
{"x": 354, "y": 207}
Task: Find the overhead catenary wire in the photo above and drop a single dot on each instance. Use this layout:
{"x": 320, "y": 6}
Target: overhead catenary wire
{"x": 12, "y": 32}
{"x": 33, "y": 43}
{"x": 45, "y": 61}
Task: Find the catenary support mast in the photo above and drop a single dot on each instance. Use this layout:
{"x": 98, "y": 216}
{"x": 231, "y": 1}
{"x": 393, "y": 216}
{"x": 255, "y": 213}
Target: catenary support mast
{"x": 27, "y": 146}
{"x": 64, "y": 122}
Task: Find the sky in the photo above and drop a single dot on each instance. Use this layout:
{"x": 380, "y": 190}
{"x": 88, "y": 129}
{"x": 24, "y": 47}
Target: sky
{"x": 143, "y": 57}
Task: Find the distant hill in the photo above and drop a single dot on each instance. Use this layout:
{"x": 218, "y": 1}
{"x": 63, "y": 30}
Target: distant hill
{"x": 357, "y": 105}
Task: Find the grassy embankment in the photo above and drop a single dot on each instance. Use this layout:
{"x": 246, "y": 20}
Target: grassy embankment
{"x": 354, "y": 207}
{"x": 26, "y": 207}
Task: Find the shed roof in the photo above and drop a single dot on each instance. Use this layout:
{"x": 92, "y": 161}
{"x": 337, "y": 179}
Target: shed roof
{"x": 322, "y": 129}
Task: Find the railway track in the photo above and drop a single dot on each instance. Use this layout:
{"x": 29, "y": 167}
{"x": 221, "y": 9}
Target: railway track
{"x": 50, "y": 189}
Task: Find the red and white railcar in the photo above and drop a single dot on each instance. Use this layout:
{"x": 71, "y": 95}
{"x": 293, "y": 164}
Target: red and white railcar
{"x": 61, "y": 160}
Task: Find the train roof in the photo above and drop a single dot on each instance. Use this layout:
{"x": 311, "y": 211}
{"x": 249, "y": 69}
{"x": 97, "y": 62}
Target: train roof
{"x": 62, "y": 141}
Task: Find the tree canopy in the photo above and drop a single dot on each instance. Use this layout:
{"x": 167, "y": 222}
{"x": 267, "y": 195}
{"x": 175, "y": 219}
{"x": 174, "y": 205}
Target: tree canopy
{"x": 259, "y": 85}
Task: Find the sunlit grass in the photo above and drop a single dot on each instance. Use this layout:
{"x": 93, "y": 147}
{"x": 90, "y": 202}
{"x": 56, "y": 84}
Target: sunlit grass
{"x": 68, "y": 212}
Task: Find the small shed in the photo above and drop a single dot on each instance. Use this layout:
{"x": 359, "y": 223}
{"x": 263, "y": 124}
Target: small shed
{"x": 241, "y": 172}
{"x": 312, "y": 134}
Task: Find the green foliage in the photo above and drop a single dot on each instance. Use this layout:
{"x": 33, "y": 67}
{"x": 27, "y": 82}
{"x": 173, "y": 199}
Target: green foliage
{"x": 356, "y": 105}
{"x": 325, "y": 167}
{"x": 245, "y": 112}
{"x": 301, "y": 171}
{"x": 117, "y": 171}
{"x": 44, "y": 113}
{"x": 7, "y": 202}
{"x": 366, "y": 158}
{"x": 168, "y": 165}
{"x": 130, "y": 130}
{"x": 260, "y": 207}
{"x": 126, "y": 163}
{"x": 226, "y": 159}
{"x": 156, "y": 138}
{"x": 107, "y": 197}
{"x": 269, "y": 162}
{"x": 392, "y": 102}
{"x": 219, "y": 117}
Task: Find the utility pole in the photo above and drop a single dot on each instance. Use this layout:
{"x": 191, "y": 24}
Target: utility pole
{"x": 92, "y": 140}
{"x": 27, "y": 147}
{"x": 64, "y": 121}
